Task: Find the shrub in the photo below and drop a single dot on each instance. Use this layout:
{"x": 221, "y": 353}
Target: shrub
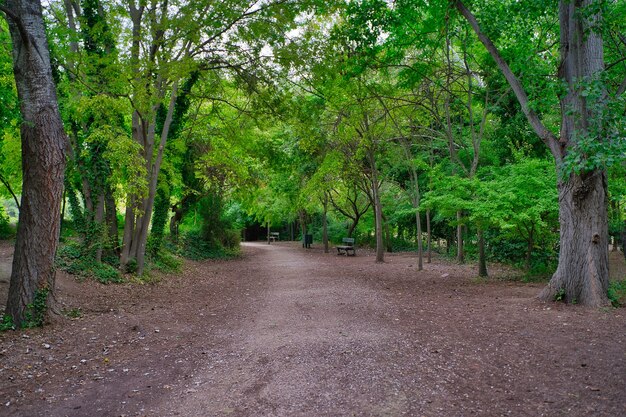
{"x": 6, "y": 323}
{"x": 194, "y": 246}
{"x": 6, "y": 230}
{"x": 71, "y": 259}
{"x": 231, "y": 239}
{"x": 106, "y": 274}
{"x": 617, "y": 293}
{"x": 166, "y": 262}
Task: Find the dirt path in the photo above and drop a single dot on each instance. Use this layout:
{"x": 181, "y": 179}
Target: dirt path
{"x": 290, "y": 332}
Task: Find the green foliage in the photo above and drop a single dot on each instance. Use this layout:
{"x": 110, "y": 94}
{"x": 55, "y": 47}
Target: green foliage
{"x": 617, "y": 293}
{"x": 166, "y": 262}
{"x": 71, "y": 259}
{"x": 6, "y": 323}
{"x": 6, "y": 230}
{"x": 159, "y": 219}
{"x": 35, "y": 313}
{"x": 602, "y": 144}
{"x": 560, "y": 295}
{"x": 73, "y": 313}
{"x": 194, "y": 246}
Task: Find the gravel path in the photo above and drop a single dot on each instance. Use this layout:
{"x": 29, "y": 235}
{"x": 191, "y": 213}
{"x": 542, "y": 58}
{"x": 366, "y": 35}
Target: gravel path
{"x": 285, "y": 331}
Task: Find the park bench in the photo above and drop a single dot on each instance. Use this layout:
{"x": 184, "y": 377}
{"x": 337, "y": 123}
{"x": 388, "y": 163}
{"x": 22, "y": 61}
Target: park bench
{"x": 274, "y": 236}
{"x": 347, "y": 247}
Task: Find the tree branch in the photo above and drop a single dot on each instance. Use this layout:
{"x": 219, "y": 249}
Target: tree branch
{"x": 8, "y": 186}
{"x": 18, "y": 22}
{"x": 533, "y": 118}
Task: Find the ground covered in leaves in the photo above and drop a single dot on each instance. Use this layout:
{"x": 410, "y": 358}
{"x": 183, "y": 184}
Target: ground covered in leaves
{"x": 285, "y": 331}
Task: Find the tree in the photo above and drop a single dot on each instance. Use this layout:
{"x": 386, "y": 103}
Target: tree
{"x": 43, "y": 163}
{"x": 582, "y": 272}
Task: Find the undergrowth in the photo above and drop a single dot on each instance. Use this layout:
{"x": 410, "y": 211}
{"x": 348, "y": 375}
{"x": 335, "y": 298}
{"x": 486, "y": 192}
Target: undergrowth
{"x": 71, "y": 259}
{"x": 617, "y": 293}
{"x": 6, "y": 323}
{"x": 193, "y": 246}
{"x": 34, "y": 314}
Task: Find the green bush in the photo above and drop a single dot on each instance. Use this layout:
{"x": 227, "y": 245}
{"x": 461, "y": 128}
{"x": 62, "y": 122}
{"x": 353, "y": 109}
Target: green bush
{"x": 231, "y": 239}
{"x": 71, "y": 259}
{"x": 106, "y": 274}
{"x": 194, "y": 246}
{"x": 6, "y": 230}
{"x": 6, "y": 323}
{"x": 166, "y": 262}
{"x": 617, "y": 293}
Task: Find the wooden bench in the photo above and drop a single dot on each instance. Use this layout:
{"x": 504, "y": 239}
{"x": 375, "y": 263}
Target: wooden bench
{"x": 347, "y": 247}
{"x": 274, "y": 236}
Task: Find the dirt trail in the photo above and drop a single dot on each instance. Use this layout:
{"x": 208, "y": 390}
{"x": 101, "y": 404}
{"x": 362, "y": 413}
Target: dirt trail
{"x": 285, "y": 331}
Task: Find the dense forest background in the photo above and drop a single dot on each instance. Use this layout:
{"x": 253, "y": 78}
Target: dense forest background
{"x": 193, "y": 125}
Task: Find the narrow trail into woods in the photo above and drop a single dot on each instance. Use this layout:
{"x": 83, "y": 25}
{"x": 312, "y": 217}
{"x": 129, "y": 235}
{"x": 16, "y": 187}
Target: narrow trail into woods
{"x": 285, "y": 331}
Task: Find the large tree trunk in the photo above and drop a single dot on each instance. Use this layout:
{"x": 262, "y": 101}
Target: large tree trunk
{"x": 43, "y": 160}
{"x": 582, "y": 273}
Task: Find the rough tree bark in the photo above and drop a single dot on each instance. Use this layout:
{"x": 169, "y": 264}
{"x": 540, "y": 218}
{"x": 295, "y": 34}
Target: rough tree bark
{"x": 43, "y": 160}
{"x": 582, "y": 273}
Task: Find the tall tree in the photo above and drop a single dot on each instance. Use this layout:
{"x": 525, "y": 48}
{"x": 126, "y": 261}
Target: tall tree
{"x": 582, "y": 273}
{"x": 43, "y": 161}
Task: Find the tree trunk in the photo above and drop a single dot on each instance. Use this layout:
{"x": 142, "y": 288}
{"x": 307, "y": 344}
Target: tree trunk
{"x": 111, "y": 223}
{"x": 624, "y": 240}
{"x": 378, "y": 212}
{"x": 529, "y": 248}
{"x": 582, "y": 274}
{"x": 482, "y": 261}
{"x": 387, "y": 234}
{"x": 129, "y": 220}
{"x": 269, "y": 241}
{"x": 142, "y": 223}
{"x": 428, "y": 232}
{"x": 418, "y": 221}
{"x": 43, "y": 161}
{"x": 460, "y": 254}
{"x": 325, "y": 224}
{"x": 98, "y": 237}
{"x": 352, "y": 226}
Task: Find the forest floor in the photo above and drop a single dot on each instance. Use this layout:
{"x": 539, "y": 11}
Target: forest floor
{"x": 284, "y": 331}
